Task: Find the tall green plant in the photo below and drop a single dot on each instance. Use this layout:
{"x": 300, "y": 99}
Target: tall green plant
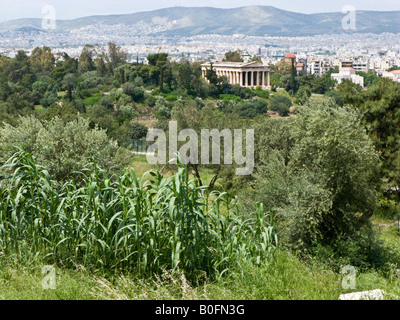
{"x": 142, "y": 226}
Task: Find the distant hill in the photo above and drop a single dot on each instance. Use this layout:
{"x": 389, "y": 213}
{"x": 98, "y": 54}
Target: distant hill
{"x": 249, "y": 20}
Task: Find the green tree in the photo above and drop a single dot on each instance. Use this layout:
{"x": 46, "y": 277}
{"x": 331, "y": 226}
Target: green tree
{"x": 382, "y": 117}
{"x": 351, "y": 92}
{"x": 86, "y": 62}
{"x": 42, "y": 59}
{"x": 212, "y": 76}
{"x": 160, "y": 61}
{"x": 138, "y": 130}
{"x": 233, "y": 56}
{"x": 323, "y": 84}
{"x": 336, "y": 96}
{"x": 370, "y": 78}
{"x": 256, "y": 59}
{"x": 251, "y": 109}
{"x": 116, "y": 55}
{"x": 318, "y": 172}
{"x": 303, "y": 94}
{"x": 281, "y": 104}
{"x": 69, "y": 82}
{"x": 63, "y": 147}
{"x": 393, "y": 68}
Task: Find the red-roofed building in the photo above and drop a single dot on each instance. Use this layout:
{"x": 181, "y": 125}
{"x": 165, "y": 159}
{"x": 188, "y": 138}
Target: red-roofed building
{"x": 289, "y": 57}
{"x": 394, "y": 75}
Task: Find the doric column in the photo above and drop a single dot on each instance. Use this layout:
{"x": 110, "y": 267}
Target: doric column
{"x": 246, "y": 79}
{"x": 251, "y": 78}
{"x": 268, "y": 80}
{"x": 263, "y": 78}
{"x": 241, "y": 78}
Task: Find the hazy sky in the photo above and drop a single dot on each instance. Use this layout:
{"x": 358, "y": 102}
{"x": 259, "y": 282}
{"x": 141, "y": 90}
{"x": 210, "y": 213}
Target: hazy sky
{"x": 68, "y": 9}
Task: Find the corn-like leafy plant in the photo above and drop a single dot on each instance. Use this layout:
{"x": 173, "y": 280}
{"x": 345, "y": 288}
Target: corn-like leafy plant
{"x": 126, "y": 224}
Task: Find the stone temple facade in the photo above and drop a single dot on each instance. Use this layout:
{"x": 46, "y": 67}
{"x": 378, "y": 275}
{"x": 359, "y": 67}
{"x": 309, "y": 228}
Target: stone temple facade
{"x": 245, "y": 74}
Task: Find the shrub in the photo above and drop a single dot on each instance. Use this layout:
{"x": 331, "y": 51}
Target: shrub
{"x": 336, "y": 96}
{"x": 251, "y": 109}
{"x": 229, "y": 97}
{"x": 91, "y": 101}
{"x": 281, "y": 104}
{"x": 303, "y": 94}
{"x": 48, "y": 99}
{"x": 262, "y": 93}
{"x": 63, "y": 147}
{"x": 138, "y": 130}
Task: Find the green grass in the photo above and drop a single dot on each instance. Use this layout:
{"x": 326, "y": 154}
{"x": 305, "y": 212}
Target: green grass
{"x": 286, "y": 278}
{"x": 18, "y": 282}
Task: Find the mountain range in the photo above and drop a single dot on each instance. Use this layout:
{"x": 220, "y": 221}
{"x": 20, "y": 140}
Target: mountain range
{"x": 249, "y": 20}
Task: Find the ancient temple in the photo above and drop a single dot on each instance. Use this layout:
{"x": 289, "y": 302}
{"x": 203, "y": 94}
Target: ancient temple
{"x": 245, "y": 74}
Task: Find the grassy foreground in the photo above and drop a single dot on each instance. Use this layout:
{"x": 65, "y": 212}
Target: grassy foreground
{"x": 286, "y": 278}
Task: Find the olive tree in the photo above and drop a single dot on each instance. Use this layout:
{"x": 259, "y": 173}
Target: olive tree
{"x": 63, "y": 147}
{"x": 318, "y": 172}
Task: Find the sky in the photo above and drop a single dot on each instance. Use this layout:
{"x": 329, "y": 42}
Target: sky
{"x": 70, "y": 9}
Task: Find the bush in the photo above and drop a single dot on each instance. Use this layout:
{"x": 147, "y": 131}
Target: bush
{"x": 229, "y": 97}
{"x": 281, "y": 104}
{"x": 303, "y": 94}
{"x": 388, "y": 209}
{"x": 128, "y": 88}
{"x": 171, "y": 97}
{"x": 63, "y": 148}
{"x": 91, "y": 101}
{"x": 262, "y": 93}
{"x": 336, "y": 96}
{"x": 251, "y": 109}
{"x": 48, "y": 99}
{"x": 138, "y": 131}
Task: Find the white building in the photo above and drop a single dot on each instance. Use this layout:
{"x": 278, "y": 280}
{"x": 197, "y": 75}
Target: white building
{"x": 361, "y": 65}
{"x": 318, "y": 68}
{"x": 393, "y": 75}
{"x": 348, "y": 74}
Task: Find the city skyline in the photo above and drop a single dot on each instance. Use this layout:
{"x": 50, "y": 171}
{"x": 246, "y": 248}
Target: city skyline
{"x": 75, "y": 9}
